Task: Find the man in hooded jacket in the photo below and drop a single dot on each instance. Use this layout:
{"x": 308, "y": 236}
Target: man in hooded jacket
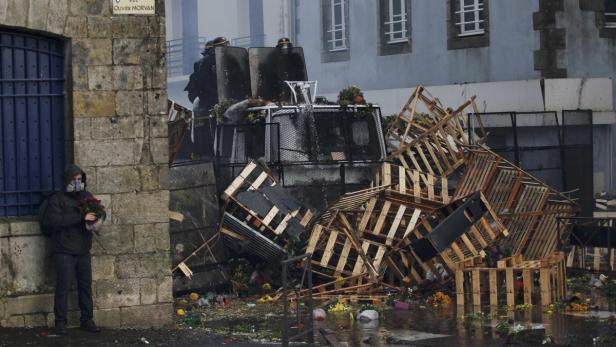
{"x": 72, "y": 239}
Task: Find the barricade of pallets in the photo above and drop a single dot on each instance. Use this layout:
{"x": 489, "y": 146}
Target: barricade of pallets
{"x": 355, "y": 241}
{"x": 526, "y": 205}
{"x": 512, "y": 282}
{"x": 408, "y": 268}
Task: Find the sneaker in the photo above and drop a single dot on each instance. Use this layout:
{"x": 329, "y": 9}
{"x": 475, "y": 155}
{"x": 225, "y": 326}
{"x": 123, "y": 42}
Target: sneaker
{"x": 90, "y": 326}
{"x": 60, "y": 328}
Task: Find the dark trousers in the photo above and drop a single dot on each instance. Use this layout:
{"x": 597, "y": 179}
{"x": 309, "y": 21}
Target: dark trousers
{"x": 67, "y": 267}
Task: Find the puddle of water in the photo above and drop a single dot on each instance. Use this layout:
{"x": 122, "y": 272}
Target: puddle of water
{"x": 446, "y": 327}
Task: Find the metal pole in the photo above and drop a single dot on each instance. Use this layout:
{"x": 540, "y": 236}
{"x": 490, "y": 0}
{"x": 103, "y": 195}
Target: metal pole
{"x": 285, "y": 324}
{"x": 310, "y": 302}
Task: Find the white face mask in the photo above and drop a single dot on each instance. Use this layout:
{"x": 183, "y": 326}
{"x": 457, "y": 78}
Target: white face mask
{"x": 75, "y": 186}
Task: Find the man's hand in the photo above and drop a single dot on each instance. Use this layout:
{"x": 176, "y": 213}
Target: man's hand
{"x": 90, "y": 217}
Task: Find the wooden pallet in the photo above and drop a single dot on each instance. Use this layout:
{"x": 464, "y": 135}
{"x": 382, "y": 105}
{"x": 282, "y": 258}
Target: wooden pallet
{"x": 526, "y": 205}
{"x": 251, "y": 177}
{"x": 421, "y": 113}
{"x": 356, "y": 241}
{"x": 408, "y": 268}
{"x": 437, "y": 151}
{"x": 498, "y": 285}
{"x": 272, "y": 223}
{"x": 422, "y": 186}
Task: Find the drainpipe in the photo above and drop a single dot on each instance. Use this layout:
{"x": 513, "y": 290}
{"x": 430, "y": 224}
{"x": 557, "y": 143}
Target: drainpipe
{"x": 190, "y": 35}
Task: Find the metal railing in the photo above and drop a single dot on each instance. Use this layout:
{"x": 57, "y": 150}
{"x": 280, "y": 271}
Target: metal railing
{"x": 303, "y": 330}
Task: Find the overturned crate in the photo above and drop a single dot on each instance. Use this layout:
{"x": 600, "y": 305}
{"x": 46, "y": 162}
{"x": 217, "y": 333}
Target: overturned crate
{"x": 260, "y": 217}
{"x": 512, "y": 282}
{"x": 454, "y": 233}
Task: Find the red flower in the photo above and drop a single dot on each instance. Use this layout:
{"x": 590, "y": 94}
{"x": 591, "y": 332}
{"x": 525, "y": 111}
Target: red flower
{"x": 359, "y": 99}
{"x": 91, "y": 204}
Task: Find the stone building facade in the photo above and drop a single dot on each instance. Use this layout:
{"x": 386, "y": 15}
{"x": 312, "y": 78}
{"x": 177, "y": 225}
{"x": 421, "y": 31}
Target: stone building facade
{"x": 117, "y": 132}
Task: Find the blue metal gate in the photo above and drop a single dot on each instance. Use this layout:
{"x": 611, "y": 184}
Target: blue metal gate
{"x": 31, "y": 120}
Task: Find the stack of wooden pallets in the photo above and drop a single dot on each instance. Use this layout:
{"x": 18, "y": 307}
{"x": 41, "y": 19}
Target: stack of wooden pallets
{"x": 413, "y": 225}
{"x": 435, "y": 207}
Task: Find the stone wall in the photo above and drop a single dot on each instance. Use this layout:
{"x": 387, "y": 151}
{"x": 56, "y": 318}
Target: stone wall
{"x": 117, "y": 81}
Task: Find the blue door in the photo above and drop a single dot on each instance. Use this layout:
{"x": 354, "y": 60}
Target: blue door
{"x": 32, "y": 112}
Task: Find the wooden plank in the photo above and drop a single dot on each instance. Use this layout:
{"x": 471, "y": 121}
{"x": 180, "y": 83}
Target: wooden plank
{"x": 430, "y": 187}
{"x": 386, "y": 174}
{"x": 457, "y": 251}
{"x": 381, "y": 220}
{"x": 424, "y": 159}
{"x": 411, "y": 225}
{"x": 488, "y": 228}
{"x": 492, "y": 281}
{"x": 510, "y": 286}
{"x": 329, "y": 249}
{"x": 545, "y": 287}
{"x": 441, "y": 152}
{"x": 257, "y": 183}
{"x": 367, "y": 215}
{"x": 527, "y": 278}
{"x": 435, "y": 159}
{"x": 411, "y": 155}
{"x": 395, "y": 224}
{"x": 401, "y": 180}
{"x": 475, "y": 232}
{"x": 476, "y": 284}
{"x": 444, "y": 190}
{"x": 596, "y": 264}
{"x": 306, "y": 218}
{"x": 378, "y": 258}
{"x": 468, "y": 244}
{"x": 237, "y": 182}
{"x": 459, "y": 287}
{"x": 314, "y": 238}
{"x": 283, "y": 225}
{"x": 416, "y": 185}
{"x": 343, "y": 256}
{"x": 270, "y": 215}
{"x": 360, "y": 261}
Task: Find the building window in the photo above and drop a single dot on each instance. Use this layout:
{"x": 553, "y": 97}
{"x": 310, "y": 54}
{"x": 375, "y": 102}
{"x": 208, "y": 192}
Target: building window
{"x": 610, "y": 14}
{"x": 470, "y": 18}
{"x": 468, "y": 24}
{"x": 396, "y": 25}
{"x": 337, "y": 31}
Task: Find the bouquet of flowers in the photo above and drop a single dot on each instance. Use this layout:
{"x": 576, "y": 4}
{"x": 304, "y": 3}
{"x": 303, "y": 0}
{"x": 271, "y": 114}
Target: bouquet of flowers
{"x": 91, "y": 204}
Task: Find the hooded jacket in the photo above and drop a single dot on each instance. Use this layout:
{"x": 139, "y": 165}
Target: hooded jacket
{"x": 65, "y": 215}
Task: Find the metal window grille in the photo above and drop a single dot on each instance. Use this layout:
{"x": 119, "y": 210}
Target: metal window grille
{"x": 470, "y": 18}
{"x": 610, "y": 19}
{"x": 396, "y": 25}
{"x": 337, "y": 32}
{"x": 31, "y": 120}
{"x": 610, "y": 13}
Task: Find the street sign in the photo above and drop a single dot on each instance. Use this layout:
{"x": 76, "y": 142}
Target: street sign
{"x": 144, "y": 7}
